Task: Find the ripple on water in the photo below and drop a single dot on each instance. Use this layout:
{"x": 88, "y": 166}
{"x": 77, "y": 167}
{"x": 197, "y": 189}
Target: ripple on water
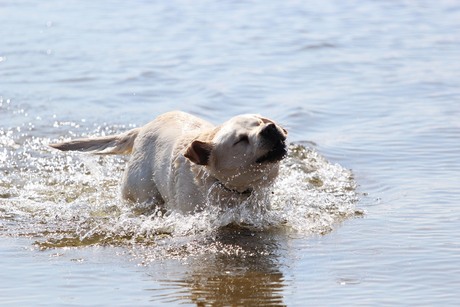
{"x": 72, "y": 200}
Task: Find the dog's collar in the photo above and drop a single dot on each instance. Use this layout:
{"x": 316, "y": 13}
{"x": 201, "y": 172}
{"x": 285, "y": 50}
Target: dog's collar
{"x": 245, "y": 193}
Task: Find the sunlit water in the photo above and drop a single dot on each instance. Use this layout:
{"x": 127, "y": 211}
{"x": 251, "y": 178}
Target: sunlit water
{"x": 364, "y": 212}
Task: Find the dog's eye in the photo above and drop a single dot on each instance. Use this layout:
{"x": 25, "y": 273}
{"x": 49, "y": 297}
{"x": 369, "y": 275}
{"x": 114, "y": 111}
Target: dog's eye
{"x": 243, "y": 138}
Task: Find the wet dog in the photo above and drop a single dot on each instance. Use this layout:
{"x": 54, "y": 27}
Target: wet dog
{"x": 181, "y": 161}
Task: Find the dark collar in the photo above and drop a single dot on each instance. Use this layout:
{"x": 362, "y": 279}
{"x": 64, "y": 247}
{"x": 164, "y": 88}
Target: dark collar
{"x": 245, "y": 193}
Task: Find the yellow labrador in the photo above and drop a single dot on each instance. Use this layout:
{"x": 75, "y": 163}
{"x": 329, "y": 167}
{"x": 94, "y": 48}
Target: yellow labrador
{"x": 182, "y": 161}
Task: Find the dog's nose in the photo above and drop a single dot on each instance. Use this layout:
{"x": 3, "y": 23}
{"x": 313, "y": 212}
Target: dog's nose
{"x": 272, "y": 133}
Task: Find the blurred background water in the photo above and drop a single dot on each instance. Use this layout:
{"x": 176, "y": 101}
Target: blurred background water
{"x": 371, "y": 85}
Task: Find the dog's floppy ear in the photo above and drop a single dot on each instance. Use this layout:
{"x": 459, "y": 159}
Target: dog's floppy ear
{"x": 198, "y": 152}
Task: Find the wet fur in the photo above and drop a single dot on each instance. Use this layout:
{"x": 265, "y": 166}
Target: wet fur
{"x": 179, "y": 160}
{"x": 110, "y": 145}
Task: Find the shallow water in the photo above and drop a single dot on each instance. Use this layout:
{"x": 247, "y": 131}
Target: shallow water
{"x": 365, "y": 210}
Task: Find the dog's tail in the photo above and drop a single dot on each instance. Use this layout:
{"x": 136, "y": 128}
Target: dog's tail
{"x": 121, "y": 144}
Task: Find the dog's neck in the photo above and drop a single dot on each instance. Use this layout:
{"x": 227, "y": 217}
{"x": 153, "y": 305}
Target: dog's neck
{"x": 246, "y": 192}
{"x": 203, "y": 176}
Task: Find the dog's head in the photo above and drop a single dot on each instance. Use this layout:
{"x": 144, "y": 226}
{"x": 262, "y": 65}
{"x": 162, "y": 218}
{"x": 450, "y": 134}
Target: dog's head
{"x": 242, "y": 153}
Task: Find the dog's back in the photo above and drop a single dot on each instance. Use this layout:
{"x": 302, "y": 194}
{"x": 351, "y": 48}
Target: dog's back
{"x": 158, "y": 155}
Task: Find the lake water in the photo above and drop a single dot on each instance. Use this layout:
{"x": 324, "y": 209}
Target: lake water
{"x": 365, "y": 212}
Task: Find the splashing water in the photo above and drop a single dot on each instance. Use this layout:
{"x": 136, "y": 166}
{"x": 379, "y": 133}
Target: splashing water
{"x": 72, "y": 199}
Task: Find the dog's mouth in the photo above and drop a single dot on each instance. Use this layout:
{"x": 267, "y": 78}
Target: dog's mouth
{"x": 277, "y": 153}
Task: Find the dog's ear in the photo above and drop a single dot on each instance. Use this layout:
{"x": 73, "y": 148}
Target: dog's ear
{"x": 198, "y": 152}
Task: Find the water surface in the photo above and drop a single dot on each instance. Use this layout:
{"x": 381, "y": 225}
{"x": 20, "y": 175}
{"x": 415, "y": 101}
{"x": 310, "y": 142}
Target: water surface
{"x": 369, "y": 89}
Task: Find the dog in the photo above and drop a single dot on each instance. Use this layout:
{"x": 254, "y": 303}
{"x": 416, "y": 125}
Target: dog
{"x": 180, "y": 161}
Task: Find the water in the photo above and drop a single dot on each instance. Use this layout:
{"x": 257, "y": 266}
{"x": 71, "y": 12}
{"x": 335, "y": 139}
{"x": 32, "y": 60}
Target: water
{"x": 365, "y": 213}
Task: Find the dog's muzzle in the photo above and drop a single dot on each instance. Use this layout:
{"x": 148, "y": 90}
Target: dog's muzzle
{"x": 276, "y": 140}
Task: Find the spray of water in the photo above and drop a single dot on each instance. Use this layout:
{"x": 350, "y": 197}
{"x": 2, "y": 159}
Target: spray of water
{"x": 73, "y": 199}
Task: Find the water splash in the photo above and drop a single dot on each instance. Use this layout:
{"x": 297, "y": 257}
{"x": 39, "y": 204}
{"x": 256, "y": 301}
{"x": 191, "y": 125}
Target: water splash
{"x": 73, "y": 199}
